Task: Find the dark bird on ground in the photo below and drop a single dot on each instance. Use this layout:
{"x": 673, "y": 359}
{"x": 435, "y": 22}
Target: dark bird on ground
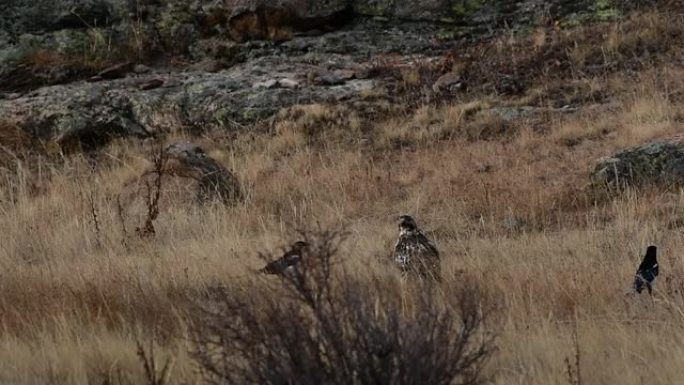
{"x": 289, "y": 261}
{"x": 414, "y": 252}
{"x": 647, "y": 271}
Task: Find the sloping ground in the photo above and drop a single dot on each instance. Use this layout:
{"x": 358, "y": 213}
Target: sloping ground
{"x": 490, "y": 144}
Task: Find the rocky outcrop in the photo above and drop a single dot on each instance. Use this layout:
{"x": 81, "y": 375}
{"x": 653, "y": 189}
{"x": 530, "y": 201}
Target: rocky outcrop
{"x": 92, "y": 113}
{"x": 47, "y": 42}
{"x": 659, "y": 162}
{"x": 41, "y": 16}
{"x": 355, "y": 66}
{"x": 231, "y": 74}
{"x": 213, "y": 182}
{"x": 143, "y": 102}
{"x": 84, "y": 115}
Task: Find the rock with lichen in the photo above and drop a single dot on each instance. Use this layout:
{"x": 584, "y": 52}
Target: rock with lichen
{"x": 660, "y": 162}
{"x": 326, "y": 52}
{"x": 179, "y": 177}
{"x": 214, "y": 182}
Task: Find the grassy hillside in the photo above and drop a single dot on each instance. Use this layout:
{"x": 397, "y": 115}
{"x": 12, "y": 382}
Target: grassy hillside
{"x": 507, "y": 199}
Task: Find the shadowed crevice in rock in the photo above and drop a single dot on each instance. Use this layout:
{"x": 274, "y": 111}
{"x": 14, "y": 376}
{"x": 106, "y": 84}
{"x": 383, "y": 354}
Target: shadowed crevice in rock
{"x": 280, "y": 21}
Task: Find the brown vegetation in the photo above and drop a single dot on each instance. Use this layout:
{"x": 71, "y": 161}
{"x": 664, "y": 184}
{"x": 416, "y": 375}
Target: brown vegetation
{"x": 322, "y": 325}
{"x": 506, "y": 200}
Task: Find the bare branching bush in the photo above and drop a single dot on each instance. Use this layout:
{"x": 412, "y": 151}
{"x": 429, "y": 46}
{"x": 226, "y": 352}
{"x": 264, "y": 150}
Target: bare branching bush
{"x": 94, "y": 217}
{"x": 95, "y": 220}
{"x": 573, "y": 367}
{"x": 153, "y": 194}
{"x": 154, "y": 375}
{"x": 121, "y": 217}
{"x": 319, "y": 324}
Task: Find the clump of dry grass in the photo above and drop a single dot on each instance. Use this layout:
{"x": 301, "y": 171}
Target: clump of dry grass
{"x": 431, "y": 124}
{"x": 313, "y": 124}
{"x": 59, "y": 285}
{"x": 567, "y": 58}
{"x": 62, "y": 279}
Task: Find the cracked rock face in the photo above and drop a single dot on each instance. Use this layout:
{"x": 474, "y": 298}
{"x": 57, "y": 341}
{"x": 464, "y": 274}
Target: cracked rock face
{"x": 327, "y": 52}
{"x": 86, "y": 114}
{"x": 93, "y": 113}
{"x": 144, "y": 103}
{"x": 659, "y": 162}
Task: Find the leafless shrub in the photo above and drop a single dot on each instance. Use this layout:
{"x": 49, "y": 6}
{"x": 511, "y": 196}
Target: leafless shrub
{"x": 153, "y": 374}
{"x": 94, "y": 216}
{"x": 153, "y": 194}
{"x": 112, "y": 376}
{"x": 121, "y": 217}
{"x": 317, "y": 327}
{"x": 573, "y": 367}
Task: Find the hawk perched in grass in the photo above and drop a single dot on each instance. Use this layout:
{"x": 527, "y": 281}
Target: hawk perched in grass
{"x": 414, "y": 252}
{"x": 647, "y": 271}
{"x": 288, "y": 262}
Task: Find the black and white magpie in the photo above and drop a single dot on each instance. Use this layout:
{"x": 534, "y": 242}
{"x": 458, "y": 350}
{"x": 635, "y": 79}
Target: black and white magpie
{"x": 647, "y": 271}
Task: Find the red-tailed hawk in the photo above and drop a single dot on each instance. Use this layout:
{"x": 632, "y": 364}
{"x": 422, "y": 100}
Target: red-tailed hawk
{"x": 414, "y": 252}
{"x": 288, "y": 262}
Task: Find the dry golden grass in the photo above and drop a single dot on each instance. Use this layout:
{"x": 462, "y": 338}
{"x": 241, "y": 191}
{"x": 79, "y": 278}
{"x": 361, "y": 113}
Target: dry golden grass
{"x": 74, "y": 300}
{"x": 75, "y": 297}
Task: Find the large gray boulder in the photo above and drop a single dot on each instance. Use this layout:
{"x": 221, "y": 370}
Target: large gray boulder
{"x": 179, "y": 177}
{"x": 188, "y": 174}
{"x": 660, "y": 162}
{"x": 83, "y": 114}
{"x": 213, "y": 181}
{"x": 142, "y": 105}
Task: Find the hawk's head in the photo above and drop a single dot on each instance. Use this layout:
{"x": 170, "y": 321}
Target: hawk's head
{"x": 299, "y": 246}
{"x": 407, "y": 223}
